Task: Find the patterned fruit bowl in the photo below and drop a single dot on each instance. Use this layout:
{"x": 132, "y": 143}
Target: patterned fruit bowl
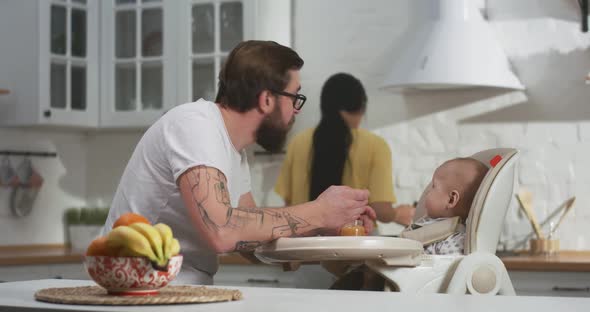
{"x": 130, "y": 276}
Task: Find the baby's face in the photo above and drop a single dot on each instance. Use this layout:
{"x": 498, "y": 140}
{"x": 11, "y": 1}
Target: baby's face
{"x": 436, "y": 195}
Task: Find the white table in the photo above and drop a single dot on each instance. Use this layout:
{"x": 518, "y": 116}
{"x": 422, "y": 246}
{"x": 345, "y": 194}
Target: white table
{"x": 18, "y": 296}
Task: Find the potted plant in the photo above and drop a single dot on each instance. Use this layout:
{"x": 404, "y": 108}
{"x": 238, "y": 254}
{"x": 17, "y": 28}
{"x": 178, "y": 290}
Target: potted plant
{"x": 84, "y": 225}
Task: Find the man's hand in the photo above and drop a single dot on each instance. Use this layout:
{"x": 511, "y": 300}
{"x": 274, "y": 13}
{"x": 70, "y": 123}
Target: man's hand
{"x": 341, "y": 204}
{"x": 369, "y": 223}
{"x": 404, "y": 214}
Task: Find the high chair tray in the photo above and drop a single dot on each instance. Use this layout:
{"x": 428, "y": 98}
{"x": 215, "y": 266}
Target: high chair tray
{"x": 391, "y": 250}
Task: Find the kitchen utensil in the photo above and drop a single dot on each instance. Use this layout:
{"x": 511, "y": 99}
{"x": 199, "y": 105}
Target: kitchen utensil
{"x": 22, "y": 200}
{"x": 24, "y": 194}
{"x": 568, "y": 205}
{"x": 525, "y": 199}
{"x": 8, "y": 175}
{"x": 544, "y": 246}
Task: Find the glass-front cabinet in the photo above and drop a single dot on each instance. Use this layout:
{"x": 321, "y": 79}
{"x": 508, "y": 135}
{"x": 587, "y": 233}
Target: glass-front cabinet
{"x": 161, "y": 53}
{"x": 69, "y": 62}
{"x": 114, "y": 63}
{"x": 49, "y": 61}
{"x": 138, "y": 61}
{"x": 210, "y": 30}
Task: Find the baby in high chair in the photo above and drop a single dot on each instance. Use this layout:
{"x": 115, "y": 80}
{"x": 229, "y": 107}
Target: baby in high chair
{"x": 449, "y": 195}
{"x": 447, "y": 200}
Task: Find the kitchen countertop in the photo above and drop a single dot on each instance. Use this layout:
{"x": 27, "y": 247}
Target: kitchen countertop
{"x": 37, "y": 254}
{"x": 19, "y": 296}
{"x": 565, "y": 261}
{"x": 52, "y": 254}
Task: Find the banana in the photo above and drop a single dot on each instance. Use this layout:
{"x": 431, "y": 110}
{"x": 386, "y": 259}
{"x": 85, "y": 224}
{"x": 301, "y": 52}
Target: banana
{"x": 166, "y": 234}
{"x": 131, "y": 243}
{"x": 153, "y": 237}
{"x": 175, "y": 248}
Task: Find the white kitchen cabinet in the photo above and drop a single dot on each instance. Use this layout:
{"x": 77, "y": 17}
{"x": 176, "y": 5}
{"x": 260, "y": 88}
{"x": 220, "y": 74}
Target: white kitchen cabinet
{"x": 158, "y": 54}
{"x": 153, "y": 55}
{"x": 49, "y": 61}
{"x": 209, "y": 29}
{"x": 11, "y": 273}
{"x": 559, "y": 284}
{"x": 307, "y": 276}
{"x": 138, "y": 61}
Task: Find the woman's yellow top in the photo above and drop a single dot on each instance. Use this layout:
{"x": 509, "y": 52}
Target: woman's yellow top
{"x": 368, "y": 167}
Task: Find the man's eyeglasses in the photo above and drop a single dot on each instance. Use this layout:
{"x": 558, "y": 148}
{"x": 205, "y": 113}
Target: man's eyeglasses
{"x": 298, "y": 99}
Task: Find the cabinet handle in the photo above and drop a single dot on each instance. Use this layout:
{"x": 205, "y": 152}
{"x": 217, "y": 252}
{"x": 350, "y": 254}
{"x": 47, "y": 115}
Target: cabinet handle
{"x": 47, "y": 113}
{"x": 262, "y": 281}
{"x": 557, "y": 288}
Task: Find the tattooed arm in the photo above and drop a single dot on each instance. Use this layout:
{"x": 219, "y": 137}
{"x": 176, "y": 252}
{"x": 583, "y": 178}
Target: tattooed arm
{"x": 247, "y": 200}
{"x": 226, "y": 228}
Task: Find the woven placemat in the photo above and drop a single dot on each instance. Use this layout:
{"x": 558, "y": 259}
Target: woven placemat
{"x": 167, "y": 295}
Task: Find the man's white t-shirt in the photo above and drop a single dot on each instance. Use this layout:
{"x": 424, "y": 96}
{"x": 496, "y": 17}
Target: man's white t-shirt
{"x": 189, "y": 135}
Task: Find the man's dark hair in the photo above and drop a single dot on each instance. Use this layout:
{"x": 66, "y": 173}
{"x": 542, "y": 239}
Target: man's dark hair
{"x": 252, "y": 67}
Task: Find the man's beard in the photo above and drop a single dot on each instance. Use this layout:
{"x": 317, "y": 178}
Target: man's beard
{"x": 272, "y": 133}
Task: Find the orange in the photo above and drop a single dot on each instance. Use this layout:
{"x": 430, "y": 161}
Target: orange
{"x": 130, "y": 218}
{"x": 98, "y": 247}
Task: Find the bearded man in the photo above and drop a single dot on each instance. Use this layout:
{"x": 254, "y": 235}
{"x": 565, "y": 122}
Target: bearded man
{"x": 190, "y": 171}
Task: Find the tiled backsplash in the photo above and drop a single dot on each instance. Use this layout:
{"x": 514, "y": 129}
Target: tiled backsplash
{"x": 553, "y": 166}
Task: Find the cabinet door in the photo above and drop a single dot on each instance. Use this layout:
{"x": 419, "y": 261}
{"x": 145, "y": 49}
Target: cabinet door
{"x": 553, "y": 284}
{"x": 138, "y": 65}
{"x": 209, "y": 30}
{"x": 68, "y": 62}
{"x": 254, "y": 276}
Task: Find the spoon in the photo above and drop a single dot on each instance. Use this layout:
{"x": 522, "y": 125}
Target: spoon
{"x": 568, "y": 205}
{"x": 525, "y": 199}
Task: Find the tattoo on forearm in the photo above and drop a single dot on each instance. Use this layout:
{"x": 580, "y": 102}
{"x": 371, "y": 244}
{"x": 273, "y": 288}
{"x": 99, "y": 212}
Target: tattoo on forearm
{"x": 286, "y": 224}
{"x": 247, "y": 245}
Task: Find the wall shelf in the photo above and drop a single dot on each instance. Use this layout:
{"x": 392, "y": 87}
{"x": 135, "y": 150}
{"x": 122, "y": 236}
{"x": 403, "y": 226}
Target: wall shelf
{"x": 4, "y": 91}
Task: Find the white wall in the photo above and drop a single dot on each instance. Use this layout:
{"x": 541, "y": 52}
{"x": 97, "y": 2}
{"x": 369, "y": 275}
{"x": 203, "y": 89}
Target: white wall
{"x": 108, "y": 154}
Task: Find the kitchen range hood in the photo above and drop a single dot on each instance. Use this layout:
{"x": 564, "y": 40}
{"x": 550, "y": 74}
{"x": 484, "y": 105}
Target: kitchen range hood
{"x": 453, "y": 48}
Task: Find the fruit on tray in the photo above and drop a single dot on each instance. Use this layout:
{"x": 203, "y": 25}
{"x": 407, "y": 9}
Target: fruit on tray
{"x": 130, "y": 218}
{"x": 137, "y": 239}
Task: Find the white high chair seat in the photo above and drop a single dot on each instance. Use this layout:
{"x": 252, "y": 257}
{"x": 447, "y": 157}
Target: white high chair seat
{"x": 478, "y": 271}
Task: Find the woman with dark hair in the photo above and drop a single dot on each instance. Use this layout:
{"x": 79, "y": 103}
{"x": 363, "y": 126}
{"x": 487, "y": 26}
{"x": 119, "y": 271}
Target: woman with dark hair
{"x": 338, "y": 152}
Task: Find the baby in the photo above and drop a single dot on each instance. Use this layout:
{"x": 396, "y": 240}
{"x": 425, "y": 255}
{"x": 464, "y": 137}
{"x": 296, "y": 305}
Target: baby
{"x": 450, "y": 194}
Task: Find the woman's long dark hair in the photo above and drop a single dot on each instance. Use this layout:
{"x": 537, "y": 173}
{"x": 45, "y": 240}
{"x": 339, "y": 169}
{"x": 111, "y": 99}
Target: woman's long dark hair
{"x": 332, "y": 137}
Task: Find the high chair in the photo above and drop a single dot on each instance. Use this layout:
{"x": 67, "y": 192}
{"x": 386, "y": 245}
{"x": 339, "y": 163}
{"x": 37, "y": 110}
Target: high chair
{"x": 402, "y": 261}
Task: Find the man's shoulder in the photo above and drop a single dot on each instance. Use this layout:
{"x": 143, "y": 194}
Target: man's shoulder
{"x": 198, "y": 113}
{"x": 197, "y": 108}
